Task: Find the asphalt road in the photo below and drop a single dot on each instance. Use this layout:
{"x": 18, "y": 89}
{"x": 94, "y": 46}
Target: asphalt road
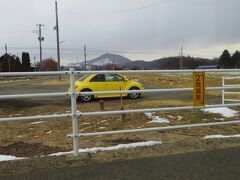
{"x": 211, "y": 165}
{"x": 24, "y": 87}
{"x": 35, "y": 86}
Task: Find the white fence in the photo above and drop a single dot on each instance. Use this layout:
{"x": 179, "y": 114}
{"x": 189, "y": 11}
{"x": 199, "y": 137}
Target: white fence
{"x": 75, "y": 114}
{"x": 225, "y": 84}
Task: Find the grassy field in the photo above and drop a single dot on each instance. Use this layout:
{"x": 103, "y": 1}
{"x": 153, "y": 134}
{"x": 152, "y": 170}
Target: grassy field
{"x": 30, "y": 138}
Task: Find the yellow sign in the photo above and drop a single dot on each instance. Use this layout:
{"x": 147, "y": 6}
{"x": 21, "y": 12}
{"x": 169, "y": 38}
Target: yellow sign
{"x": 199, "y": 95}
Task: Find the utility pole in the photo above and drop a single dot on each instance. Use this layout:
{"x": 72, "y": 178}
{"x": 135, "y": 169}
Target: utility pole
{"x": 6, "y": 52}
{"x": 179, "y": 59}
{"x": 6, "y": 48}
{"x": 40, "y": 39}
{"x": 181, "y": 56}
{"x": 57, "y": 33}
{"x": 85, "y": 56}
{"x": 34, "y": 61}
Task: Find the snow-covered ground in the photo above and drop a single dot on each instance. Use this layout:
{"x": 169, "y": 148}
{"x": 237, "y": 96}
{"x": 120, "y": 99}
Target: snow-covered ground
{"x": 111, "y": 148}
{"x": 224, "y": 111}
{"x": 219, "y": 136}
{"x": 9, "y": 158}
{"x": 156, "y": 119}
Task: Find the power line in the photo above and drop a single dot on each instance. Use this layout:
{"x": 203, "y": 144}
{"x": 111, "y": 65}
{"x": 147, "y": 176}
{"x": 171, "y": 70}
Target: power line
{"x": 121, "y": 12}
{"x": 95, "y": 50}
{"x": 17, "y": 38}
{"x": 133, "y": 52}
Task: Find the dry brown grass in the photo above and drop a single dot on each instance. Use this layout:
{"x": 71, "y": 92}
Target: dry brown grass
{"x": 54, "y": 132}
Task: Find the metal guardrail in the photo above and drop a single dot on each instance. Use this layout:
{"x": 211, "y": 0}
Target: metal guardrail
{"x": 75, "y": 114}
{"x": 232, "y": 86}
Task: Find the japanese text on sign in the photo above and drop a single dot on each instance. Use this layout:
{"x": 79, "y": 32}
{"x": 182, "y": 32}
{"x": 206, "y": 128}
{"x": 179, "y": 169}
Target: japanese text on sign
{"x": 199, "y": 89}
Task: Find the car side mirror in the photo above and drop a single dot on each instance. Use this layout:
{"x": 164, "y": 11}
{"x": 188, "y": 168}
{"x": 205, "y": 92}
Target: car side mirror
{"x": 125, "y": 79}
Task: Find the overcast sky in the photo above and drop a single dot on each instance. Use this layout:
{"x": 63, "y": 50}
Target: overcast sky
{"x": 137, "y": 29}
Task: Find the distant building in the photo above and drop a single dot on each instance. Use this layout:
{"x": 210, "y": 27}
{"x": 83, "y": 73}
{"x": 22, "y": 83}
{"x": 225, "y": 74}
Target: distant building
{"x": 67, "y": 68}
{"x": 208, "y": 67}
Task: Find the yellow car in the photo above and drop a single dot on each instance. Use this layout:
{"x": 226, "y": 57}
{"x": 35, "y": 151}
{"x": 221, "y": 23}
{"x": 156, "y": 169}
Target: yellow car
{"x": 106, "y": 82}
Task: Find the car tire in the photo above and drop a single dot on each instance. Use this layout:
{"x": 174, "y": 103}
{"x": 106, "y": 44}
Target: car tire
{"x": 85, "y": 98}
{"x": 134, "y": 95}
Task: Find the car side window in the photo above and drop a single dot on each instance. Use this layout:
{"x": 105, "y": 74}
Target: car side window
{"x": 109, "y": 77}
{"x": 118, "y": 77}
{"x": 98, "y": 78}
{"x": 113, "y": 77}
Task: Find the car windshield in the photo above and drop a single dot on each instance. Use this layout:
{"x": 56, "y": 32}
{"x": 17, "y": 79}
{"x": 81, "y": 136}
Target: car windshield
{"x": 84, "y": 77}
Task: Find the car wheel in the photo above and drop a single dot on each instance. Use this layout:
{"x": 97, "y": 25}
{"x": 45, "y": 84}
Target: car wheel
{"x": 85, "y": 97}
{"x": 134, "y": 95}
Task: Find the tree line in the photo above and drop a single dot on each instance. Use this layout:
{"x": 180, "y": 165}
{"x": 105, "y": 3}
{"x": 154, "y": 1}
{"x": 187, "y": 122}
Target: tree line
{"x": 228, "y": 61}
{"x": 225, "y": 61}
{"x": 12, "y": 63}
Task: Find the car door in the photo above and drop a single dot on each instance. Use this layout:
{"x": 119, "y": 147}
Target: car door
{"x": 97, "y": 83}
{"x": 114, "y": 82}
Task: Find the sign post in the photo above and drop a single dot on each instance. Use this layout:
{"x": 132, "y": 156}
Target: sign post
{"x": 199, "y": 95}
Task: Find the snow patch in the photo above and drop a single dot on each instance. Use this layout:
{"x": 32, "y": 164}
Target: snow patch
{"x": 179, "y": 118}
{"x": 111, "y": 148}
{"x": 38, "y": 122}
{"x": 20, "y": 136}
{"x": 224, "y": 111}
{"x": 9, "y": 158}
{"x": 219, "y": 136}
{"x": 103, "y": 121}
{"x": 156, "y": 119}
{"x": 85, "y": 123}
{"x": 219, "y": 119}
{"x": 103, "y": 62}
{"x": 83, "y": 129}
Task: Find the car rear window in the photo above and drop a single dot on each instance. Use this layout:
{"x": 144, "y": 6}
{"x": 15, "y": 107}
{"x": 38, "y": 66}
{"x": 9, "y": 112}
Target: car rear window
{"x": 84, "y": 77}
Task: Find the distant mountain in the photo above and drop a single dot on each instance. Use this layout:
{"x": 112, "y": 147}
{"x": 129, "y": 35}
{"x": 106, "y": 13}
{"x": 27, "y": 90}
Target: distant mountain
{"x": 108, "y": 58}
{"x": 102, "y": 61}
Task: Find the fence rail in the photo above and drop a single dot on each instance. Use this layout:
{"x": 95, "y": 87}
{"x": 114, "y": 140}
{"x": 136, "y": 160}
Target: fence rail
{"x": 232, "y": 86}
{"x": 19, "y": 96}
{"x": 75, "y": 113}
{"x": 165, "y": 128}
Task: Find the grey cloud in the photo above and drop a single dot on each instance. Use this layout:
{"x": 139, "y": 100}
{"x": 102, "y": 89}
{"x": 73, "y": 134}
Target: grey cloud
{"x": 193, "y": 23}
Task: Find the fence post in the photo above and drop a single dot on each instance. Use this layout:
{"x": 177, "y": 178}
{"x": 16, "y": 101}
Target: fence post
{"x": 223, "y": 84}
{"x": 74, "y": 113}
